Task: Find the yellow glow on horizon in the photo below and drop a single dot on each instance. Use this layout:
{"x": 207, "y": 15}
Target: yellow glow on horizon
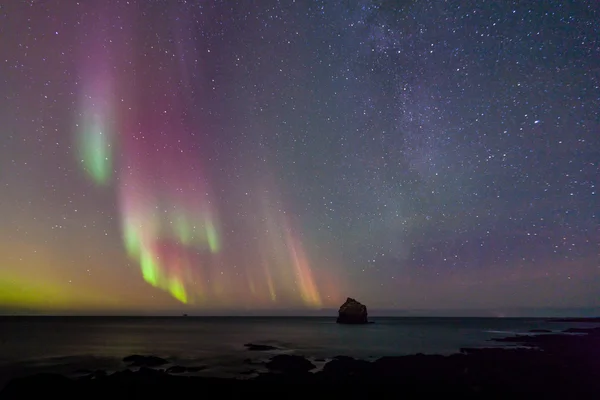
{"x": 26, "y": 292}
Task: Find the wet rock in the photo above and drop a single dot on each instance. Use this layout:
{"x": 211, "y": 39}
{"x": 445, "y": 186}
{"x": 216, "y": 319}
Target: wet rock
{"x": 250, "y": 361}
{"x": 137, "y": 360}
{"x": 352, "y": 312}
{"x": 176, "y": 369}
{"x": 124, "y": 375}
{"x": 576, "y": 330}
{"x": 290, "y": 364}
{"x": 149, "y": 373}
{"x": 259, "y": 347}
{"x": 99, "y": 373}
{"x": 248, "y": 372}
{"x": 83, "y": 371}
{"x": 344, "y": 358}
{"x": 585, "y": 320}
{"x": 342, "y": 367}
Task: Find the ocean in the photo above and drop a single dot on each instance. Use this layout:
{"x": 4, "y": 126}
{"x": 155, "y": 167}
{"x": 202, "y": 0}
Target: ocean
{"x": 70, "y": 345}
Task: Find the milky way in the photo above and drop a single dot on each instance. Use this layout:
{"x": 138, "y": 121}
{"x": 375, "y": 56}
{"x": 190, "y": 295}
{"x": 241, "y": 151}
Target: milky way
{"x": 271, "y": 155}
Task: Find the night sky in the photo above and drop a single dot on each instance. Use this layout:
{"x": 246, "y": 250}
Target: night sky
{"x": 268, "y": 155}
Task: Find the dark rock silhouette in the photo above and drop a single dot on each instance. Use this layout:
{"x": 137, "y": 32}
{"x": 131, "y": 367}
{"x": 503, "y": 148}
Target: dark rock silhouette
{"x": 575, "y": 330}
{"x": 584, "y": 320}
{"x": 195, "y": 369}
{"x": 259, "y": 347}
{"x": 352, "y": 312}
{"x": 546, "y": 366}
{"x": 176, "y": 369}
{"x": 344, "y": 367}
{"x": 137, "y": 360}
{"x": 290, "y": 364}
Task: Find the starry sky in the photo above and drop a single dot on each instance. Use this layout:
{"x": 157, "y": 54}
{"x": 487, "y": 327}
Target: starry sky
{"x": 268, "y": 155}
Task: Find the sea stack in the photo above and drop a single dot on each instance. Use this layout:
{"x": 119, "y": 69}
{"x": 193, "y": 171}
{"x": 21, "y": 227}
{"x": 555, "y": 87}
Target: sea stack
{"x": 352, "y": 312}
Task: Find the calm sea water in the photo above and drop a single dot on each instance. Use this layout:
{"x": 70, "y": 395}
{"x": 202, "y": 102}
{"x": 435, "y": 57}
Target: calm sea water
{"x": 65, "y": 345}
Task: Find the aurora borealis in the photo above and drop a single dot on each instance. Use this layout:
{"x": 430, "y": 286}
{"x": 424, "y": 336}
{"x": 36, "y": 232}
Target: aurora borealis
{"x": 205, "y": 155}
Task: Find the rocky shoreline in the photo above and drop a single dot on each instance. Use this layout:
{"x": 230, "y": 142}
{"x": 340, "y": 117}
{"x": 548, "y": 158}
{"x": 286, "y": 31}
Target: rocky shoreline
{"x": 553, "y": 365}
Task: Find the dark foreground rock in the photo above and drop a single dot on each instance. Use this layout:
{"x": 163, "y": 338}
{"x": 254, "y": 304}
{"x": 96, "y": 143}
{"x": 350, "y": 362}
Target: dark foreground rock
{"x": 259, "y": 347}
{"x": 178, "y": 369}
{"x": 548, "y": 366}
{"x": 290, "y": 364}
{"x": 594, "y": 320}
{"x": 576, "y": 330}
{"x": 352, "y": 312}
{"x": 144, "y": 361}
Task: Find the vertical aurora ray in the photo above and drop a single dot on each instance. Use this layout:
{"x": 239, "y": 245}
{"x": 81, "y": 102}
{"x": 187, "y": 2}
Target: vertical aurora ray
{"x": 306, "y": 283}
{"x": 149, "y": 267}
{"x": 94, "y": 145}
{"x": 268, "y": 277}
{"x": 284, "y": 259}
{"x": 212, "y": 237}
{"x": 95, "y": 135}
{"x": 164, "y": 227}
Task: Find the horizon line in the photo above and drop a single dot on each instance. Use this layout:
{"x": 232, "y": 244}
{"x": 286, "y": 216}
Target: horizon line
{"x": 332, "y": 316}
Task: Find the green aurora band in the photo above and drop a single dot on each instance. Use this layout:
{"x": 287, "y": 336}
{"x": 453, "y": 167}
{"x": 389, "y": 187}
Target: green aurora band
{"x": 95, "y": 149}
